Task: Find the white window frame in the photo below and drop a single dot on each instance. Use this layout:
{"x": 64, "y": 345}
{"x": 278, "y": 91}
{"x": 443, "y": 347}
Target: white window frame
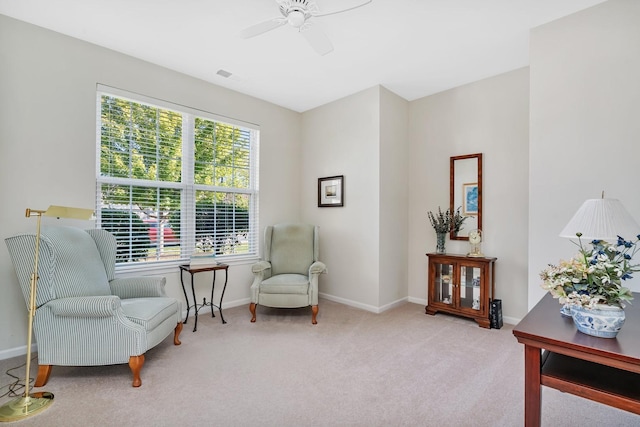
{"x": 187, "y": 185}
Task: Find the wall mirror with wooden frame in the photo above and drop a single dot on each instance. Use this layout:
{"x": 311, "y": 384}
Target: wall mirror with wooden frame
{"x": 465, "y": 192}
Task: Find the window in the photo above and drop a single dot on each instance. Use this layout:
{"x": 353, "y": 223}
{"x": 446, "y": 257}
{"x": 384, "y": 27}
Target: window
{"x": 173, "y": 180}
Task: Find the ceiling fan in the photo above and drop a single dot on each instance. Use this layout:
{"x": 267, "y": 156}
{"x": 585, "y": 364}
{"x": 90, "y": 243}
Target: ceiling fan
{"x": 298, "y": 14}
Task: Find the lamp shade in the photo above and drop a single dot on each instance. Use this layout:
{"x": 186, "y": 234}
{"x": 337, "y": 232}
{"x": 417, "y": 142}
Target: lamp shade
{"x": 601, "y": 219}
{"x": 67, "y": 212}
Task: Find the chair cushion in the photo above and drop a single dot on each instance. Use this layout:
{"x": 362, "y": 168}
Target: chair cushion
{"x": 285, "y": 284}
{"x": 149, "y": 312}
{"x": 291, "y": 249}
{"x": 78, "y": 271}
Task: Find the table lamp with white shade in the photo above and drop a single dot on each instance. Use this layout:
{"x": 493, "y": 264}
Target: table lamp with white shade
{"x": 601, "y": 219}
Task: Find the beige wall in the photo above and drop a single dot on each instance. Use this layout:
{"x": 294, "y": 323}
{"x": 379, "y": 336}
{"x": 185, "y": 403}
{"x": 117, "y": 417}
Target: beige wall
{"x": 342, "y": 138}
{"x": 364, "y": 138}
{"x": 585, "y": 126}
{"x": 491, "y": 117}
{"x": 394, "y": 198}
{"x": 48, "y": 139}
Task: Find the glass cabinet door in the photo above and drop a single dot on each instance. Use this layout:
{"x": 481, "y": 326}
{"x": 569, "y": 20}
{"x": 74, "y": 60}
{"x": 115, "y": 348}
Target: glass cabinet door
{"x": 460, "y": 285}
{"x": 470, "y": 287}
{"x": 444, "y": 283}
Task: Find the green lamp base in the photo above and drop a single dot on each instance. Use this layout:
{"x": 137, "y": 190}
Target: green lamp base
{"x": 25, "y": 406}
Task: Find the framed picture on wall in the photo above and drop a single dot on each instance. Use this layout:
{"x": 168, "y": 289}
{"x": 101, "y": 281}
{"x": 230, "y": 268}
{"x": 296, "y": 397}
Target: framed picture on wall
{"x": 470, "y": 198}
{"x": 331, "y": 191}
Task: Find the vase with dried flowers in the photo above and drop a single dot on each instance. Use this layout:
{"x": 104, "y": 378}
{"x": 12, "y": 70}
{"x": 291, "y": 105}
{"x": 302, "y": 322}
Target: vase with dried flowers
{"x": 443, "y": 223}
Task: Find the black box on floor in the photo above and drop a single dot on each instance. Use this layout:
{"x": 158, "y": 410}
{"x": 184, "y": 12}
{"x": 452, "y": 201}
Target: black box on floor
{"x": 495, "y": 314}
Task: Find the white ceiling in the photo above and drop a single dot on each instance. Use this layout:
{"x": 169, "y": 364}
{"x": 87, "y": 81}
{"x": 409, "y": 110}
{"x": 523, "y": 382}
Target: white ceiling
{"x": 412, "y": 47}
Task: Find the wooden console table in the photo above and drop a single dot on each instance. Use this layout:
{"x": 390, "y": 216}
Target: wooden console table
{"x": 606, "y": 370}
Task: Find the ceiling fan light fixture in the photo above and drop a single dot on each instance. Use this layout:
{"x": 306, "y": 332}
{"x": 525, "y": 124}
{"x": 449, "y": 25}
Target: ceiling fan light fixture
{"x": 296, "y": 18}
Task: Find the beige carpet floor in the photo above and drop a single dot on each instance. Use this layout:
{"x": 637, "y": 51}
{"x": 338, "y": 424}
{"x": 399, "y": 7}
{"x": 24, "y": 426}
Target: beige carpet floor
{"x": 354, "y": 368}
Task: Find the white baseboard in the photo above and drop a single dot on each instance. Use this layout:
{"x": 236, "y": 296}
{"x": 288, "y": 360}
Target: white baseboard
{"x": 236, "y": 303}
{"x": 225, "y": 306}
{"x": 418, "y": 301}
{"x": 350, "y": 303}
{"x": 511, "y": 320}
{"x": 17, "y": 351}
{"x": 367, "y": 307}
{"x": 394, "y": 304}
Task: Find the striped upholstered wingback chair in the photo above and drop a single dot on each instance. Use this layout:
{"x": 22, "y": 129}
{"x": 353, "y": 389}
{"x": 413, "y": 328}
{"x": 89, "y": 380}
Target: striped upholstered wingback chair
{"x": 84, "y": 315}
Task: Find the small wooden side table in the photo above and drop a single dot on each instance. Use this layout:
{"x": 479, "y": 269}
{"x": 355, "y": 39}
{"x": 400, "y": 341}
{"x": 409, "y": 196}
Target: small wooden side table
{"x": 605, "y": 370}
{"x": 196, "y": 307}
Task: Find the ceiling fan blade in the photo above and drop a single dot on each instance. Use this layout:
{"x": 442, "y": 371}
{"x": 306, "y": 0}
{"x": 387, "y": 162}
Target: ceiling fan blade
{"x": 263, "y": 27}
{"x": 342, "y": 10}
{"x": 318, "y": 40}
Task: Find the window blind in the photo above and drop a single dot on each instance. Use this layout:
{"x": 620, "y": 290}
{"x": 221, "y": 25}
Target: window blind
{"x": 173, "y": 181}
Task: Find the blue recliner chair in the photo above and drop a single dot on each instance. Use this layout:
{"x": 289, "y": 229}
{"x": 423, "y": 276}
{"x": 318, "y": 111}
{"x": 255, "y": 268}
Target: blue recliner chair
{"x": 84, "y": 315}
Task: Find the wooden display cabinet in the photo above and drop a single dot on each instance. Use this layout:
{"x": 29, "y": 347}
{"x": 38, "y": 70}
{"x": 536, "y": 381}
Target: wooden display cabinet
{"x": 461, "y": 285}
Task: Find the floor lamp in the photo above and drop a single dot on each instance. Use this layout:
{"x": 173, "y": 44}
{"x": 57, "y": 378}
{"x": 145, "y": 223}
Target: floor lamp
{"x": 31, "y": 404}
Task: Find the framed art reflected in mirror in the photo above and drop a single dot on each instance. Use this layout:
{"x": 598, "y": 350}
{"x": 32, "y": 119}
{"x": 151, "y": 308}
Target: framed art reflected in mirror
{"x": 470, "y": 198}
{"x": 331, "y": 191}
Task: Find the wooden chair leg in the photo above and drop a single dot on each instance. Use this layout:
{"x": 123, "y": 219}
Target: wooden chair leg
{"x": 43, "y": 375}
{"x": 176, "y": 334}
{"x": 314, "y": 313}
{"x": 135, "y": 363}
{"x": 252, "y": 309}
